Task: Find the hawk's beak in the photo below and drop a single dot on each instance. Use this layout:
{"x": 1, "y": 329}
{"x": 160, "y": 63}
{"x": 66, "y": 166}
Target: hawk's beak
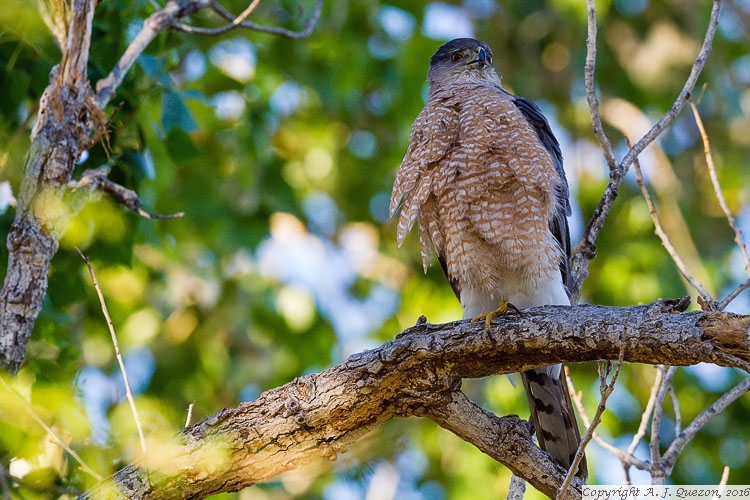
{"x": 480, "y": 61}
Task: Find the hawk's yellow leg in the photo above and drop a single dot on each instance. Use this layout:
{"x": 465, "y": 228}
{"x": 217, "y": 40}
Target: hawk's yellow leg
{"x": 503, "y": 307}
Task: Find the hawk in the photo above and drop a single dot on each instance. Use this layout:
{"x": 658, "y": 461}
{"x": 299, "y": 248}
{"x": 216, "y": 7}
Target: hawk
{"x": 483, "y": 175}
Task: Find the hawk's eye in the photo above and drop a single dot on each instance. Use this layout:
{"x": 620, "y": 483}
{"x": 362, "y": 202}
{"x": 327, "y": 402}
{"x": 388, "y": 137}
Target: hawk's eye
{"x": 456, "y": 56}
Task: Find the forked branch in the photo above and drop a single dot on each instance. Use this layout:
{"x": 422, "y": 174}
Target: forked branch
{"x": 418, "y": 374}
{"x": 586, "y": 251}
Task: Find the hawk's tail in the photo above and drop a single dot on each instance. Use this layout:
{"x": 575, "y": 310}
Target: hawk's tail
{"x": 553, "y": 415}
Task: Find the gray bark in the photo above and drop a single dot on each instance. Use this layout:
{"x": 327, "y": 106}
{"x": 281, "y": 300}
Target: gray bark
{"x": 418, "y": 374}
{"x": 68, "y": 123}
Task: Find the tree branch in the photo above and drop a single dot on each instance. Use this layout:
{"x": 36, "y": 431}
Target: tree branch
{"x": 683, "y": 438}
{"x": 664, "y": 238}
{"x": 417, "y": 374}
{"x": 153, "y": 25}
{"x": 168, "y": 18}
{"x": 275, "y": 30}
{"x": 96, "y": 179}
{"x": 70, "y": 120}
{"x": 67, "y": 117}
{"x": 587, "y": 247}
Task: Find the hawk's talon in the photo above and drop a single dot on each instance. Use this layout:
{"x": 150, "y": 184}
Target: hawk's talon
{"x": 503, "y": 307}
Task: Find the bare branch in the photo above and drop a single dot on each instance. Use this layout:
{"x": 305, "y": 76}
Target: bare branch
{"x": 733, "y": 295}
{"x": 52, "y": 434}
{"x": 626, "y": 457}
{"x": 75, "y": 58}
{"x": 116, "y": 344}
{"x": 274, "y": 30}
{"x": 738, "y": 239}
{"x": 189, "y": 414}
{"x": 605, "y": 390}
{"x": 153, "y": 25}
{"x": 666, "y": 243}
{"x": 676, "y": 410}
{"x": 645, "y": 416}
{"x": 234, "y": 23}
{"x": 587, "y": 248}
{"x": 677, "y": 445}
{"x": 168, "y": 18}
{"x": 66, "y": 118}
{"x": 96, "y": 179}
{"x": 622, "y": 455}
{"x": 417, "y": 374}
{"x": 591, "y": 96}
{"x": 517, "y": 488}
{"x": 471, "y": 423}
{"x": 660, "y": 472}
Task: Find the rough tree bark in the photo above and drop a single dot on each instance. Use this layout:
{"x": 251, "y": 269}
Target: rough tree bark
{"x": 68, "y": 123}
{"x": 418, "y": 374}
{"x": 320, "y": 415}
{"x": 71, "y": 119}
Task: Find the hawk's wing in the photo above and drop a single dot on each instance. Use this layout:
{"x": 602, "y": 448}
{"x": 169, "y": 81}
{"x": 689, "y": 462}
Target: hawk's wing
{"x": 433, "y": 133}
{"x": 559, "y": 222}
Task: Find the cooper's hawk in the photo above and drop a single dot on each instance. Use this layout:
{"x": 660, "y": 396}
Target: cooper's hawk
{"x": 483, "y": 175}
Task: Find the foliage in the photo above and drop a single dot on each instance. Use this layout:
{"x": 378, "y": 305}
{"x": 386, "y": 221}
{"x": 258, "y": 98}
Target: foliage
{"x": 282, "y": 154}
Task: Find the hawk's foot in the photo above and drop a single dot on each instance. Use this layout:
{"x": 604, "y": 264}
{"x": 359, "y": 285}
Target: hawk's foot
{"x": 503, "y": 307}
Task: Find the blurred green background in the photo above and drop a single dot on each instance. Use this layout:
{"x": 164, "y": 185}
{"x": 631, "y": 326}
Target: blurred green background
{"x": 282, "y": 154}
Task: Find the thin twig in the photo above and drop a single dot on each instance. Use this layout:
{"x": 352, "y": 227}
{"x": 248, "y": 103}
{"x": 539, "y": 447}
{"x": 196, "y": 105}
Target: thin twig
{"x": 587, "y": 248}
{"x": 154, "y": 24}
{"x": 234, "y": 23}
{"x": 645, "y": 417}
{"x": 96, "y": 178}
{"x": 605, "y": 389}
{"x": 724, "y": 476}
{"x": 684, "y": 95}
{"x": 27, "y": 406}
{"x": 591, "y": 96}
{"x": 676, "y": 409}
{"x": 275, "y": 30}
{"x": 717, "y": 188}
{"x": 643, "y": 426}
{"x": 622, "y": 455}
{"x": 733, "y": 295}
{"x": 116, "y": 344}
{"x": 656, "y": 416}
{"x": 167, "y": 18}
{"x": 660, "y": 471}
{"x": 738, "y": 239}
{"x": 666, "y": 243}
{"x": 675, "y": 448}
{"x": 189, "y": 414}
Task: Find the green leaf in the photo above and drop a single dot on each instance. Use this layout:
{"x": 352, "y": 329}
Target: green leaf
{"x": 181, "y": 147}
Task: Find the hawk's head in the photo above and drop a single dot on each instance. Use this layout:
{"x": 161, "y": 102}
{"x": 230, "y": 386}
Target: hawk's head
{"x": 462, "y": 59}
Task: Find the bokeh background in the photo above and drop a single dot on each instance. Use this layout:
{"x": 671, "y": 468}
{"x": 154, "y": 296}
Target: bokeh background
{"x": 282, "y": 155}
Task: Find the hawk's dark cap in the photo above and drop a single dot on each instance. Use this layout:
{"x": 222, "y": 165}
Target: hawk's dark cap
{"x": 443, "y": 54}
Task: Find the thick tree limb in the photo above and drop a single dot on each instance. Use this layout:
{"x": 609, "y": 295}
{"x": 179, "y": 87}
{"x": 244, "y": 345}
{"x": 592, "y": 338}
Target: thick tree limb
{"x": 67, "y": 116}
{"x": 418, "y": 374}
